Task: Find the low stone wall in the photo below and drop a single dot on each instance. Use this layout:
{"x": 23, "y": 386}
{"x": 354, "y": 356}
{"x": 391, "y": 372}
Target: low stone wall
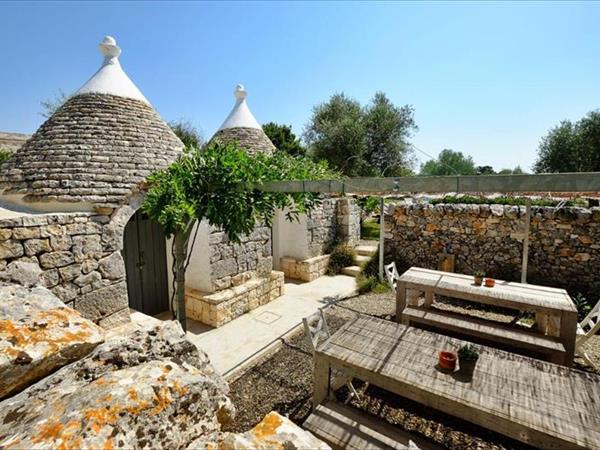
{"x": 307, "y": 270}
{"x": 230, "y": 261}
{"x": 216, "y": 309}
{"x": 564, "y": 245}
{"x": 79, "y": 258}
{"x": 335, "y": 220}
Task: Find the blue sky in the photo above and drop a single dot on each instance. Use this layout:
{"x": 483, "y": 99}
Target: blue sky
{"x": 488, "y": 79}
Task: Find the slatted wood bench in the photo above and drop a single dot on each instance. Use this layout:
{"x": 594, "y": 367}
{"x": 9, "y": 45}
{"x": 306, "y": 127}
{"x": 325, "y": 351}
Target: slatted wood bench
{"x": 552, "y": 349}
{"x": 555, "y": 312}
{"x": 344, "y": 427}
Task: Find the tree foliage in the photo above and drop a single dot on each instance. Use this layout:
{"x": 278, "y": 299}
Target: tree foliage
{"x": 449, "y": 162}
{"x": 362, "y": 141}
{"x": 188, "y": 133}
{"x": 571, "y": 147}
{"x": 50, "y": 105}
{"x": 284, "y": 139}
{"x": 516, "y": 171}
{"x": 218, "y": 184}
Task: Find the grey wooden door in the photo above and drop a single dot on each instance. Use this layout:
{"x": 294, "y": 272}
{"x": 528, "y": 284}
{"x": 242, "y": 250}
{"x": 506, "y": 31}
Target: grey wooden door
{"x": 146, "y": 264}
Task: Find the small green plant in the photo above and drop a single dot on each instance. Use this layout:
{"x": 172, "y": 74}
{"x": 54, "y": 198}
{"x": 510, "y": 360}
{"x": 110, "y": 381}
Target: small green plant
{"x": 468, "y": 352}
{"x": 370, "y": 284}
{"x": 342, "y": 256}
{"x": 4, "y": 155}
{"x": 479, "y": 274}
{"x": 582, "y": 304}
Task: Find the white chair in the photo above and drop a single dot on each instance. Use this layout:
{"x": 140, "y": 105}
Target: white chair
{"x": 588, "y": 327}
{"x": 392, "y": 275}
{"x": 315, "y": 327}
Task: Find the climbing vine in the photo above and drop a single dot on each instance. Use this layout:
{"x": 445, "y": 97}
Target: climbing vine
{"x": 219, "y": 184}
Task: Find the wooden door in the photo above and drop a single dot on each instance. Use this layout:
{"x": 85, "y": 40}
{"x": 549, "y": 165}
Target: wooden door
{"x": 146, "y": 264}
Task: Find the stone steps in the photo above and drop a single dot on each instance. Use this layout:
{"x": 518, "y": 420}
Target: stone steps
{"x": 366, "y": 250}
{"x": 351, "y": 271}
{"x": 361, "y": 259}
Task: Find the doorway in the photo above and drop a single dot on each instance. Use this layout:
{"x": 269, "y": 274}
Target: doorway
{"x": 144, "y": 252}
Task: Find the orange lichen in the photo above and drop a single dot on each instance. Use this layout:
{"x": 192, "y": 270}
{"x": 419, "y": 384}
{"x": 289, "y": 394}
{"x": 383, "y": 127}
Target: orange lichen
{"x": 50, "y": 431}
{"x": 108, "y": 445}
{"x": 268, "y": 426}
{"x": 162, "y": 400}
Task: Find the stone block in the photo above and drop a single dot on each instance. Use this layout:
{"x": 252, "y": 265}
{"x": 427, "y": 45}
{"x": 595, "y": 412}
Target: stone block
{"x": 103, "y": 302}
{"x": 66, "y": 291}
{"x": 36, "y": 246}
{"x": 112, "y": 267}
{"x": 39, "y": 335}
{"x": 26, "y": 233}
{"x": 114, "y": 320}
{"x": 5, "y": 233}
{"x": 11, "y": 249}
{"x": 61, "y": 242}
{"x": 56, "y": 259}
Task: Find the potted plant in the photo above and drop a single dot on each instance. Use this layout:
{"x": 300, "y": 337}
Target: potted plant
{"x": 490, "y": 282}
{"x": 467, "y": 359}
{"x": 447, "y": 360}
{"x": 478, "y": 277}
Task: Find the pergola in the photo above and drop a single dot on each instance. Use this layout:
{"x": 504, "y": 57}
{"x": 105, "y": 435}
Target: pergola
{"x": 548, "y": 183}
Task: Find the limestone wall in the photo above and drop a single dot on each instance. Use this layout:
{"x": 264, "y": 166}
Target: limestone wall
{"x": 564, "y": 243}
{"x": 336, "y": 220}
{"x": 79, "y": 258}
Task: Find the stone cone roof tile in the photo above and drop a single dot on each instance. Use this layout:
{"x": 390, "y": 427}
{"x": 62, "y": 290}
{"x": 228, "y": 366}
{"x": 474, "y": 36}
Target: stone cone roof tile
{"x": 96, "y": 148}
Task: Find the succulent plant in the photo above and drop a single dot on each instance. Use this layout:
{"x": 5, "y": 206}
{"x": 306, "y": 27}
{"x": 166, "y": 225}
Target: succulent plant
{"x": 468, "y": 352}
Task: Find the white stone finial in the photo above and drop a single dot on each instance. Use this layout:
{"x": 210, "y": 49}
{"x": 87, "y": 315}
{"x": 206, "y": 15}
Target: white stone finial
{"x": 109, "y": 48}
{"x": 240, "y": 93}
{"x": 110, "y": 78}
{"x": 240, "y": 115}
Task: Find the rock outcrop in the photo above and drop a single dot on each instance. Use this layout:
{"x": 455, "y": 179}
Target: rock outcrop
{"x": 38, "y": 335}
{"x": 273, "y": 432}
{"x": 148, "y": 389}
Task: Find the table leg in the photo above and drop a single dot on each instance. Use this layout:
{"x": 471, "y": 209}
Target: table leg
{"x": 321, "y": 379}
{"x": 400, "y": 300}
{"x": 568, "y": 334}
{"x": 428, "y": 299}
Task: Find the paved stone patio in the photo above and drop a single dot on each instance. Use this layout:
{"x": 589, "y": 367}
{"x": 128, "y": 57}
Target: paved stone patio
{"x": 247, "y": 337}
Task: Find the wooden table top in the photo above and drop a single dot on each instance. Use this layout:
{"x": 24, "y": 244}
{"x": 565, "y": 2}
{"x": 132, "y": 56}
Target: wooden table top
{"x": 548, "y": 398}
{"x": 525, "y": 297}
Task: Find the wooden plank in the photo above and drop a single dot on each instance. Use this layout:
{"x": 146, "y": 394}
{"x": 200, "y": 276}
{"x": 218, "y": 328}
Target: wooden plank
{"x": 539, "y": 403}
{"x": 321, "y": 379}
{"x": 483, "y": 329}
{"x": 551, "y": 182}
{"x": 348, "y": 428}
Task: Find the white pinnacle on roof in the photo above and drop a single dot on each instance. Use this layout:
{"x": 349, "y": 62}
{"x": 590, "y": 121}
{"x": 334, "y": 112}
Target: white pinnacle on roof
{"x": 110, "y": 78}
{"x": 240, "y": 116}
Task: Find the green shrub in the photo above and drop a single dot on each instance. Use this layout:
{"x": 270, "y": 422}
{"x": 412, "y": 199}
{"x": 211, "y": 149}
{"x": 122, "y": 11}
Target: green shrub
{"x": 370, "y": 284}
{"x": 4, "y": 155}
{"x": 583, "y": 306}
{"x": 369, "y": 230}
{"x": 503, "y": 200}
{"x": 341, "y": 256}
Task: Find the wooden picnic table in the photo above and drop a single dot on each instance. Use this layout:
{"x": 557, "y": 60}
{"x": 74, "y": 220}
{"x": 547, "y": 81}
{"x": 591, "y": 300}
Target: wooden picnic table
{"x": 556, "y": 314}
{"x": 536, "y": 402}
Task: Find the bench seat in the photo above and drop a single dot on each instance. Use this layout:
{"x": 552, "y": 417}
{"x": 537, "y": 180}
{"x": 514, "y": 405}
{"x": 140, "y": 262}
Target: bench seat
{"x": 485, "y": 329}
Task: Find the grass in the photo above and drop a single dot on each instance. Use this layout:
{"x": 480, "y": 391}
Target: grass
{"x": 369, "y": 230}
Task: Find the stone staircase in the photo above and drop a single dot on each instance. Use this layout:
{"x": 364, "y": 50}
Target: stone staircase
{"x": 363, "y": 254}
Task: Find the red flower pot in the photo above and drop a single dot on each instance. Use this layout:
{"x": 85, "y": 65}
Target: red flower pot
{"x": 447, "y": 360}
{"x": 490, "y": 282}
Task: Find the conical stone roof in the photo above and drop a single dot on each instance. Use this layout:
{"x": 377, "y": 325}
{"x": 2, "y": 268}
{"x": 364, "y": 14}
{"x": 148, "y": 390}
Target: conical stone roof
{"x": 241, "y": 126}
{"x": 96, "y": 148}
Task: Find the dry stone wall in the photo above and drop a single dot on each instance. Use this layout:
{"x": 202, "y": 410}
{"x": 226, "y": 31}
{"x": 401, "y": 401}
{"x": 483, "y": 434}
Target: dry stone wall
{"x": 335, "y": 220}
{"x": 232, "y": 264}
{"x": 78, "y": 257}
{"x": 564, "y": 246}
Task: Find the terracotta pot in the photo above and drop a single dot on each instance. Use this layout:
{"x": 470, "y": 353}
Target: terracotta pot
{"x": 478, "y": 280}
{"x": 490, "y": 282}
{"x": 447, "y": 360}
{"x": 466, "y": 367}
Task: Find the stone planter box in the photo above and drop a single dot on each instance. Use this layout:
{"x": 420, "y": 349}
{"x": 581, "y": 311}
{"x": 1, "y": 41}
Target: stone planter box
{"x": 220, "y": 307}
{"x": 306, "y": 270}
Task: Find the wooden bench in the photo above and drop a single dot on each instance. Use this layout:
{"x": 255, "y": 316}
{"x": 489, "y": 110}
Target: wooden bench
{"x": 552, "y": 349}
{"x": 344, "y": 427}
{"x": 555, "y": 312}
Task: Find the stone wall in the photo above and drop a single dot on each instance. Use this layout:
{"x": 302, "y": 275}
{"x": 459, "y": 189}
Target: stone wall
{"x": 307, "y": 270}
{"x": 79, "y": 260}
{"x": 348, "y": 219}
{"x": 564, "y": 246}
{"x": 335, "y": 220}
{"x": 233, "y": 263}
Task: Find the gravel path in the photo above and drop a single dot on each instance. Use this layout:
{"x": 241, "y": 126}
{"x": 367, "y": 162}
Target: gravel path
{"x": 283, "y": 383}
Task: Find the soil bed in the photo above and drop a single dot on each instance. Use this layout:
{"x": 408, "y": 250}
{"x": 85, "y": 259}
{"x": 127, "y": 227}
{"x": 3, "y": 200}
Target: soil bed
{"x": 283, "y": 383}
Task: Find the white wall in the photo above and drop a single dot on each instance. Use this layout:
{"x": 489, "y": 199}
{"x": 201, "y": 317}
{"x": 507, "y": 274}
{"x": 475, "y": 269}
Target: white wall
{"x": 197, "y": 275}
{"x": 289, "y": 238}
